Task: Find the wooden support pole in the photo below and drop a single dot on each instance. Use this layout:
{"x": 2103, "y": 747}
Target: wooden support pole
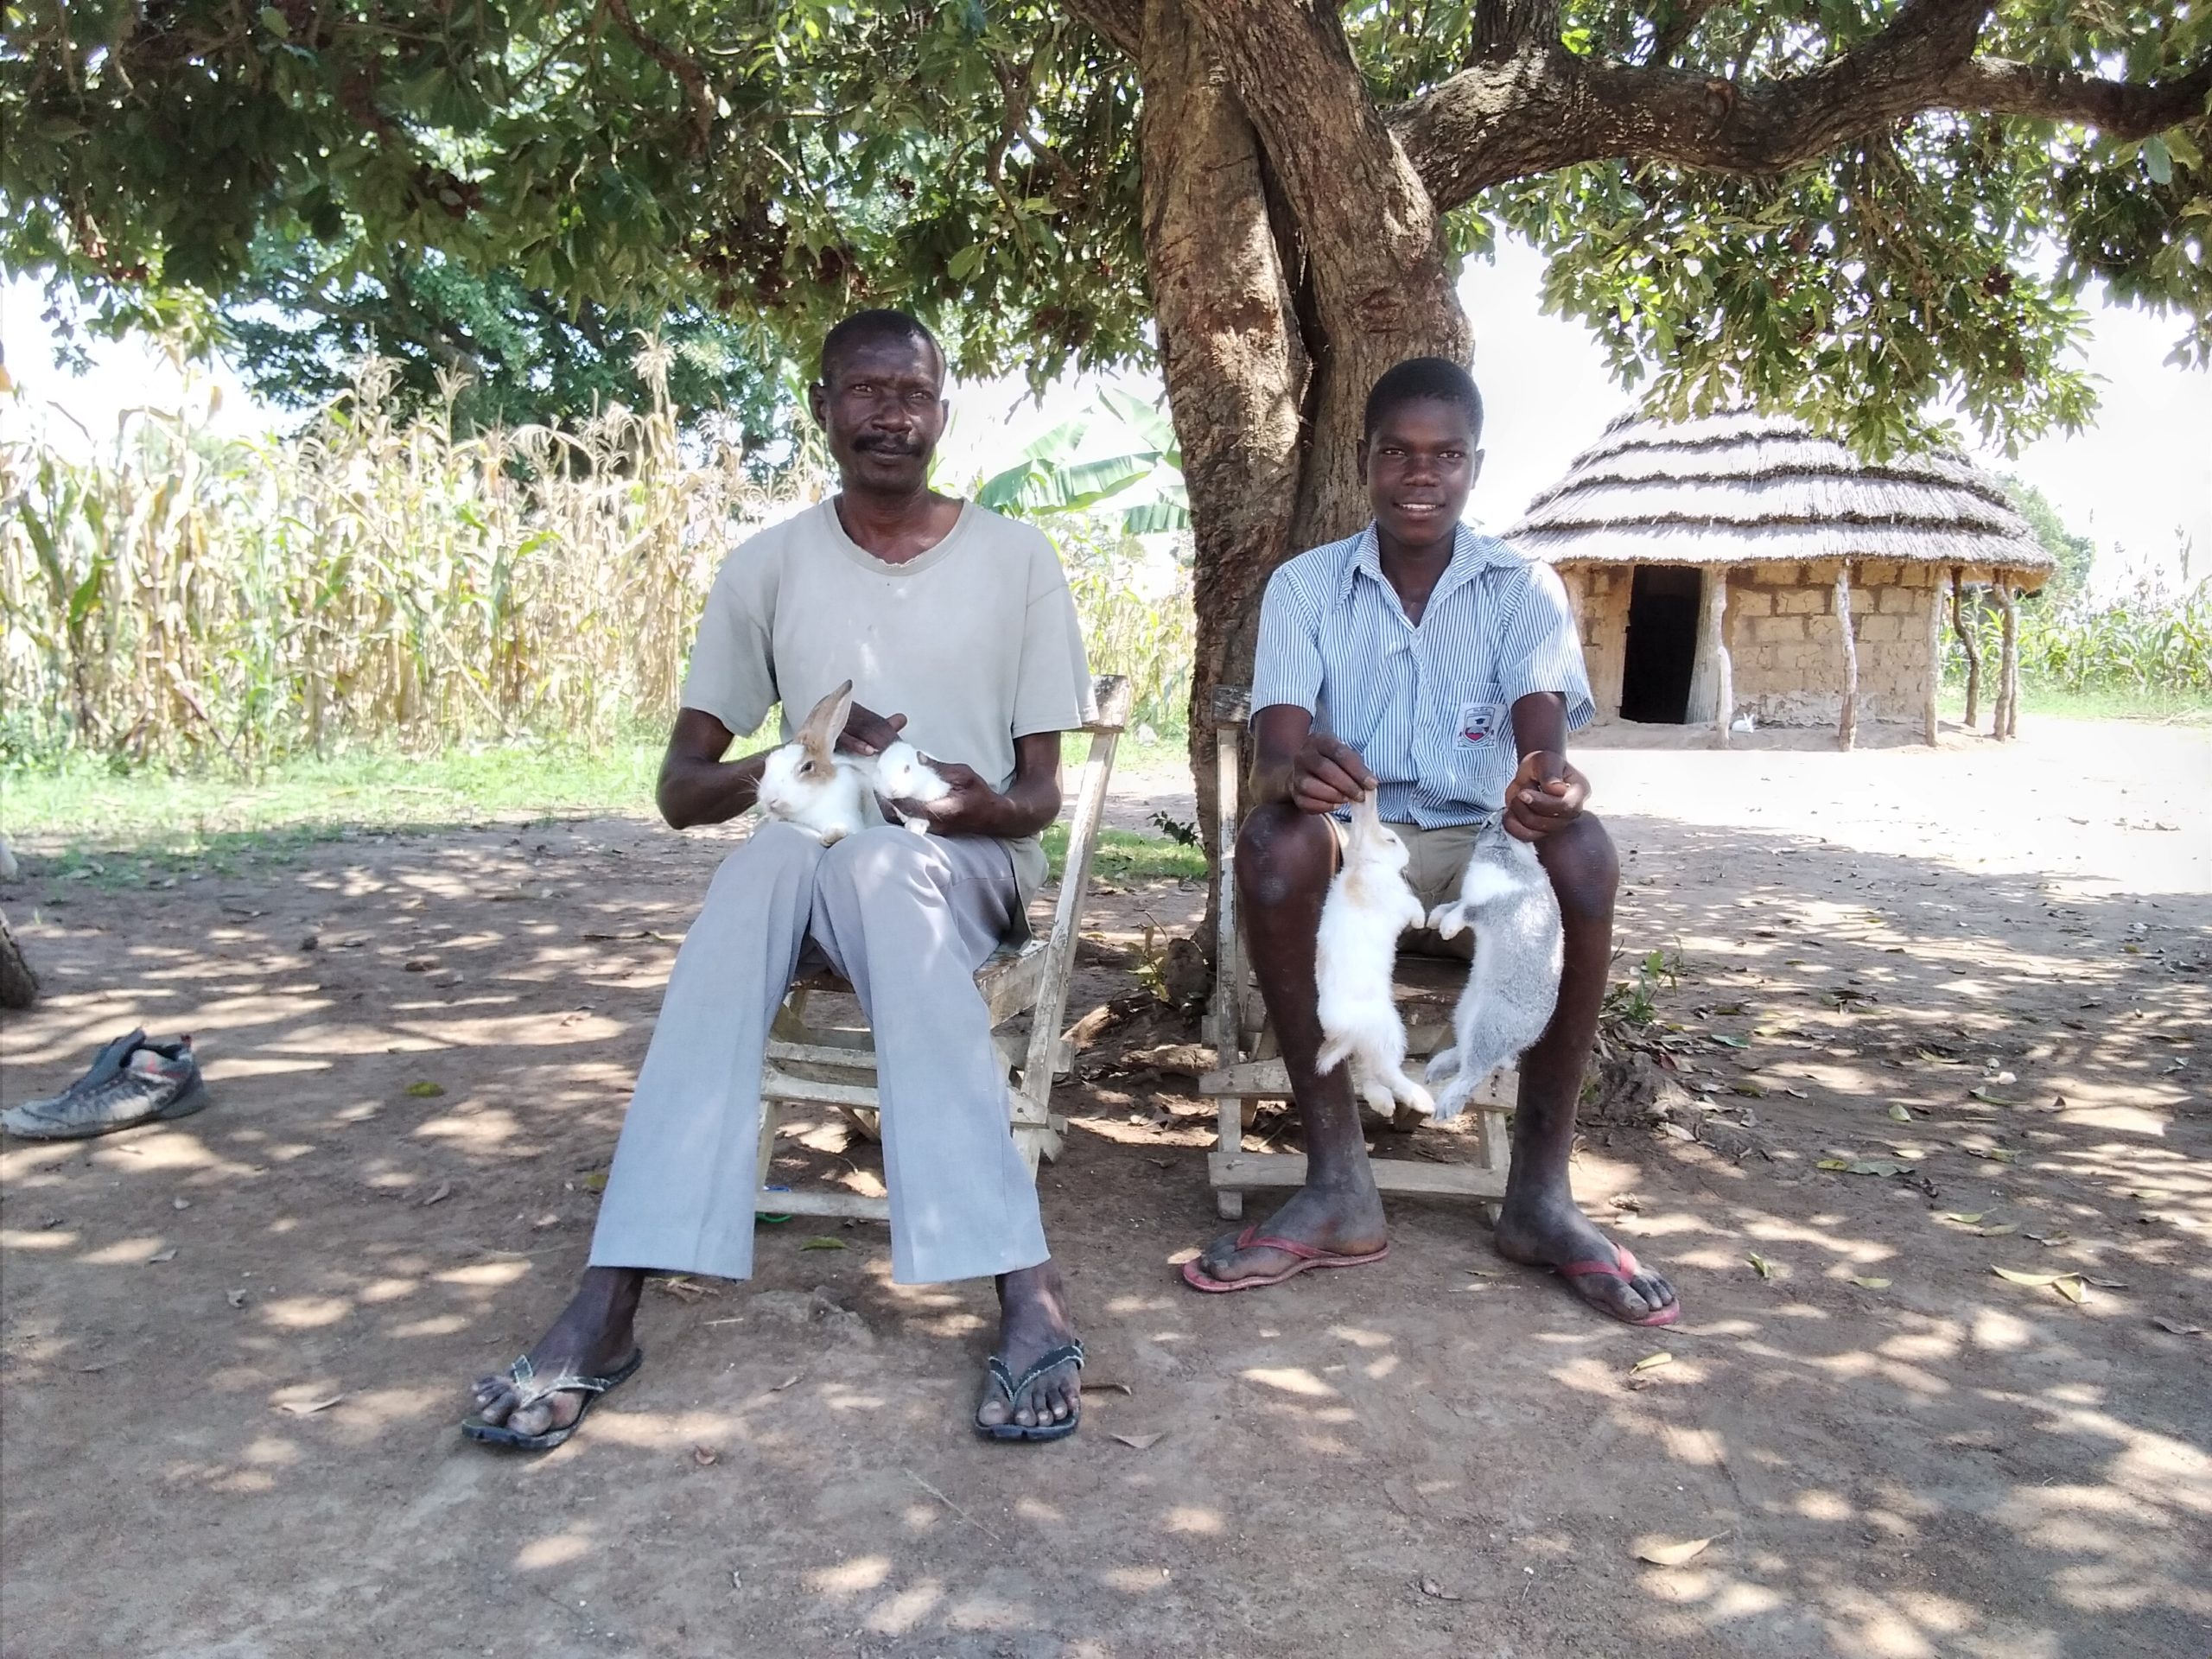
{"x": 1931, "y": 721}
{"x": 1716, "y": 650}
{"x": 1847, "y": 731}
{"x": 2008, "y": 663}
{"x": 1968, "y": 643}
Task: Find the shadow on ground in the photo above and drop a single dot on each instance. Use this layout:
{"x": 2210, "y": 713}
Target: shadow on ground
{"x": 1898, "y": 1451}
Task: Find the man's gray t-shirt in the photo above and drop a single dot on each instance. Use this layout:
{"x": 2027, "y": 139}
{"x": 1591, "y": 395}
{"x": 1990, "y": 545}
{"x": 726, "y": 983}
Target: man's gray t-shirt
{"x": 975, "y": 641}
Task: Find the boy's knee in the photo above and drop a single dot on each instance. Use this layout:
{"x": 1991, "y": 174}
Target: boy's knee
{"x": 1584, "y": 870}
{"x": 1282, "y": 852}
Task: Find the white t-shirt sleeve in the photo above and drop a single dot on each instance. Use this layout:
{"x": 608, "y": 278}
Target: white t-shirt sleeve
{"x": 1052, "y": 685}
{"x": 732, "y": 672}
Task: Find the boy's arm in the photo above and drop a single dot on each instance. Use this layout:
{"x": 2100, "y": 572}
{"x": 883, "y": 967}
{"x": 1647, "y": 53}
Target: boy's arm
{"x": 1547, "y": 793}
{"x": 1311, "y": 770}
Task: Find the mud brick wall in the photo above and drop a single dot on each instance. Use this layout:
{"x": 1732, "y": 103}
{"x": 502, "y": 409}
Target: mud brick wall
{"x": 1780, "y": 630}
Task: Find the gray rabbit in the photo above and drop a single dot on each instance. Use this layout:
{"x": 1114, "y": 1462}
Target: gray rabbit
{"x": 1507, "y": 899}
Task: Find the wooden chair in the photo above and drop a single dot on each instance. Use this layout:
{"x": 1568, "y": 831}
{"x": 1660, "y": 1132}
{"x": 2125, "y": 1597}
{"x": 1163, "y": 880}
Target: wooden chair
{"x": 1248, "y": 1066}
{"x": 826, "y": 1065}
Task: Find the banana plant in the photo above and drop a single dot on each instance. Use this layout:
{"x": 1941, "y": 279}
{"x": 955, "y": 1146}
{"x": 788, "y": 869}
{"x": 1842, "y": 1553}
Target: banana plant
{"x": 1144, "y": 481}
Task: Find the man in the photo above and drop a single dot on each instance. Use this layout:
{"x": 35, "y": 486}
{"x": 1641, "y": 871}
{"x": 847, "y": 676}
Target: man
{"x": 962, "y": 623}
{"x": 1404, "y": 659}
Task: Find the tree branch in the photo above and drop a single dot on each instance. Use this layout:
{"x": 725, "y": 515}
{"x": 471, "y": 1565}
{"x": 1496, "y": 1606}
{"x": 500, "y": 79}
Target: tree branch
{"x": 1676, "y": 24}
{"x": 1506, "y": 25}
{"x": 1119, "y": 23}
{"x": 688, "y": 75}
{"x": 1543, "y": 108}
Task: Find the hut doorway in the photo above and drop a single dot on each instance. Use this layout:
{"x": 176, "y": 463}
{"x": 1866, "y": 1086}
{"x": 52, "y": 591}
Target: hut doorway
{"x": 1661, "y": 656}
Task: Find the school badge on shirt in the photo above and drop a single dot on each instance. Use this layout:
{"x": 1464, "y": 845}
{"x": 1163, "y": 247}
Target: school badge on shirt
{"x": 1479, "y": 724}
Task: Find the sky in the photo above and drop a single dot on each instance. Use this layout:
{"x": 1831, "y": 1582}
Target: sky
{"x": 2142, "y": 472}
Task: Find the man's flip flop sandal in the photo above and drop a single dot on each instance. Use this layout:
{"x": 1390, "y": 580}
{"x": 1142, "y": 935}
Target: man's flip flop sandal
{"x": 535, "y": 1388}
{"x": 1622, "y": 1268}
{"x": 1304, "y": 1257}
{"x": 1011, "y": 1388}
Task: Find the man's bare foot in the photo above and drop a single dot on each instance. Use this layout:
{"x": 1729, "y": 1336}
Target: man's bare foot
{"x": 1550, "y": 1232}
{"x": 1346, "y": 1220}
{"x": 592, "y": 1338}
{"x": 1033, "y": 1321}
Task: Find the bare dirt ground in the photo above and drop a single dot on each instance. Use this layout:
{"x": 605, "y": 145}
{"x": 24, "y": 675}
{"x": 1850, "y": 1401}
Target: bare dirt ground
{"x": 1898, "y": 1452}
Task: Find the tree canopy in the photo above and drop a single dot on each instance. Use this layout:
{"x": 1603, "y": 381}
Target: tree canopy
{"x": 1832, "y": 206}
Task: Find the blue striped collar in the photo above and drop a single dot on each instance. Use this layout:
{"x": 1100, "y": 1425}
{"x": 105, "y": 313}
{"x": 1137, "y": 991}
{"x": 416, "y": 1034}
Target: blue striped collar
{"x": 1471, "y": 554}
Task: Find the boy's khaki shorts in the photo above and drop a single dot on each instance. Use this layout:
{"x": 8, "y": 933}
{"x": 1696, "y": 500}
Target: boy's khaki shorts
{"x": 1439, "y": 860}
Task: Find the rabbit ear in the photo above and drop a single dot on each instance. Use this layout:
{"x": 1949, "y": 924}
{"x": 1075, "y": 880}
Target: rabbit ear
{"x": 1367, "y": 812}
{"x": 826, "y": 723}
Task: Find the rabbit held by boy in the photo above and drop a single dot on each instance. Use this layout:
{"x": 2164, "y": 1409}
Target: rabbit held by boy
{"x": 1368, "y": 907}
{"x": 1507, "y": 899}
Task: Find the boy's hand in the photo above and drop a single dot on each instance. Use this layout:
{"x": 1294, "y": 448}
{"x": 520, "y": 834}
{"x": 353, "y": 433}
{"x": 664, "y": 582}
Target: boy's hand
{"x": 1325, "y": 774}
{"x": 974, "y": 808}
{"x": 868, "y": 733}
{"x": 1545, "y": 794}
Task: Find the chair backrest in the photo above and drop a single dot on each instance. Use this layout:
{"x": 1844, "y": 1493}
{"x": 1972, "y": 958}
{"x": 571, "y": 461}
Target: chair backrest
{"x": 1112, "y": 695}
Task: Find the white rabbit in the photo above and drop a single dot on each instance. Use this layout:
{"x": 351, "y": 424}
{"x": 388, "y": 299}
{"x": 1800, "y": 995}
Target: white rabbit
{"x": 901, "y": 774}
{"x": 1507, "y": 899}
{"x": 808, "y": 783}
{"x": 1369, "y": 905}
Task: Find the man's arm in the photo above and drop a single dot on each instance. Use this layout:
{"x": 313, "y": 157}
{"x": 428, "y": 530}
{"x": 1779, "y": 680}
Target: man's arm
{"x": 1546, "y": 793}
{"x": 974, "y": 808}
{"x": 698, "y": 786}
{"x": 1310, "y": 770}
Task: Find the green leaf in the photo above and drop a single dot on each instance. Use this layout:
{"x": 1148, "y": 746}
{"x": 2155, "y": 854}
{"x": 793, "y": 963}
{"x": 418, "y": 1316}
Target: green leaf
{"x": 1760, "y": 1265}
{"x": 963, "y": 265}
{"x": 426, "y": 1090}
{"x": 273, "y": 21}
{"x": 825, "y": 1243}
{"x": 2158, "y": 161}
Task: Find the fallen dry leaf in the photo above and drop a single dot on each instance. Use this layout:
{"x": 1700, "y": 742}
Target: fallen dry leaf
{"x": 595, "y": 1182}
{"x": 785, "y": 1383}
{"x": 1900, "y": 1115}
{"x": 1764, "y": 1267}
{"x": 2034, "y": 1281}
{"x": 1965, "y": 1218}
{"x": 439, "y": 1195}
{"x": 170, "y": 1255}
{"x": 2176, "y": 1327}
{"x": 310, "y": 1409}
{"x": 1870, "y": 1284}
{"x": 235, "y": 1298}
{"x": 1997, "y": 1231}
{"x": 1651, "y": 1363}
{"x": 825, "y": 1243}
{"x": 1140, "y": 1442}
{"x": 1676, "y": 1554}
{"x": 1430, "y": 1587}
{"x": 425, "y": 1090}
{"x": 2070, "y": 1288}
{"x": 180, "y": 1203}
{"x": 705, "y": 1456}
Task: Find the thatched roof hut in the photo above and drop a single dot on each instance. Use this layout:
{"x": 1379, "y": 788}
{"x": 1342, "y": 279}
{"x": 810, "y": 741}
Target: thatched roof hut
{"x": 1739, "y": 565}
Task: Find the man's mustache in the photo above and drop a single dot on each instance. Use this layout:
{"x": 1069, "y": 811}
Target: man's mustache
{"x": 886, "y": 444}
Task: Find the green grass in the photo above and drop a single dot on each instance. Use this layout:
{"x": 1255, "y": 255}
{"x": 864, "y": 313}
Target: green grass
{"x": 129, "y": 827}
{"x": 83, "y": 804}
{"x": 2084, "y": 705}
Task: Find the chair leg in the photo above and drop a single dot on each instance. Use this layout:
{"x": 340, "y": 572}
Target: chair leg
{"x": 1494, "y": 1145}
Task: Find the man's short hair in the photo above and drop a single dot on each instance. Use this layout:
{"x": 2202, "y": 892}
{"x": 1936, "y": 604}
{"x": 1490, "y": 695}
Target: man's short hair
{"x": 1423, "y": 379}
{"x": 866, "y": 328}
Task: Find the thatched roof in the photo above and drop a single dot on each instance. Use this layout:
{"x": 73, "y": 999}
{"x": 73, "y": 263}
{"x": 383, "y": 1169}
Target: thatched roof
{"x": 1741, "y": 488}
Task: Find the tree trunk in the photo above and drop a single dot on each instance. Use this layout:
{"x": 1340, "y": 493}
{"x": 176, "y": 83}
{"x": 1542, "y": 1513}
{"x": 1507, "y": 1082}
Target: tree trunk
{"x": 1716, "y": 645}
{"x": 18, "y": 985}
{"x": 1930, "y": 714}
{"x": 1969, "y": 642}
{"x": 1260, "y": 146}
{"x": 1235, "y": 366}
{"x": 2006, "y": 724}
{"x": 1847, "y": 731}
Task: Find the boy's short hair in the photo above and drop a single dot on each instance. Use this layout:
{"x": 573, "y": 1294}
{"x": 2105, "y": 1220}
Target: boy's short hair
{"x": 866, "y": 328}
{"x": 1423, "y": 379}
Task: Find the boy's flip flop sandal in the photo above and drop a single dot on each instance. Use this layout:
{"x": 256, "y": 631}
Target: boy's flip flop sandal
{"x": 1007, "y": 1384}
{"x": 535, "y": 1388}
{"x": 1304, "y": 1257}
{"x": 1624, "y": 1268}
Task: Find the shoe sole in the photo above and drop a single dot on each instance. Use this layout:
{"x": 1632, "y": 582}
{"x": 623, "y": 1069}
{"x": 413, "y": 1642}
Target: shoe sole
{"x": 192, "y": 1100}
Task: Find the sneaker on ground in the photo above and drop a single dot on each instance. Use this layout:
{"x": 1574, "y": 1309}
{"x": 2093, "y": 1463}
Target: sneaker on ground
{"x": 135, "y": 1079}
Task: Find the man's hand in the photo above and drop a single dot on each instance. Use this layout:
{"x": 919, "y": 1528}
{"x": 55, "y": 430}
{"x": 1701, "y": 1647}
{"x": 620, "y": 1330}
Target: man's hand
{"x": 974, "y": 808}
{"x": 868, "y": 733}
{"x": 1325, "y": 774}
{"x": 1545, "y": 794}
